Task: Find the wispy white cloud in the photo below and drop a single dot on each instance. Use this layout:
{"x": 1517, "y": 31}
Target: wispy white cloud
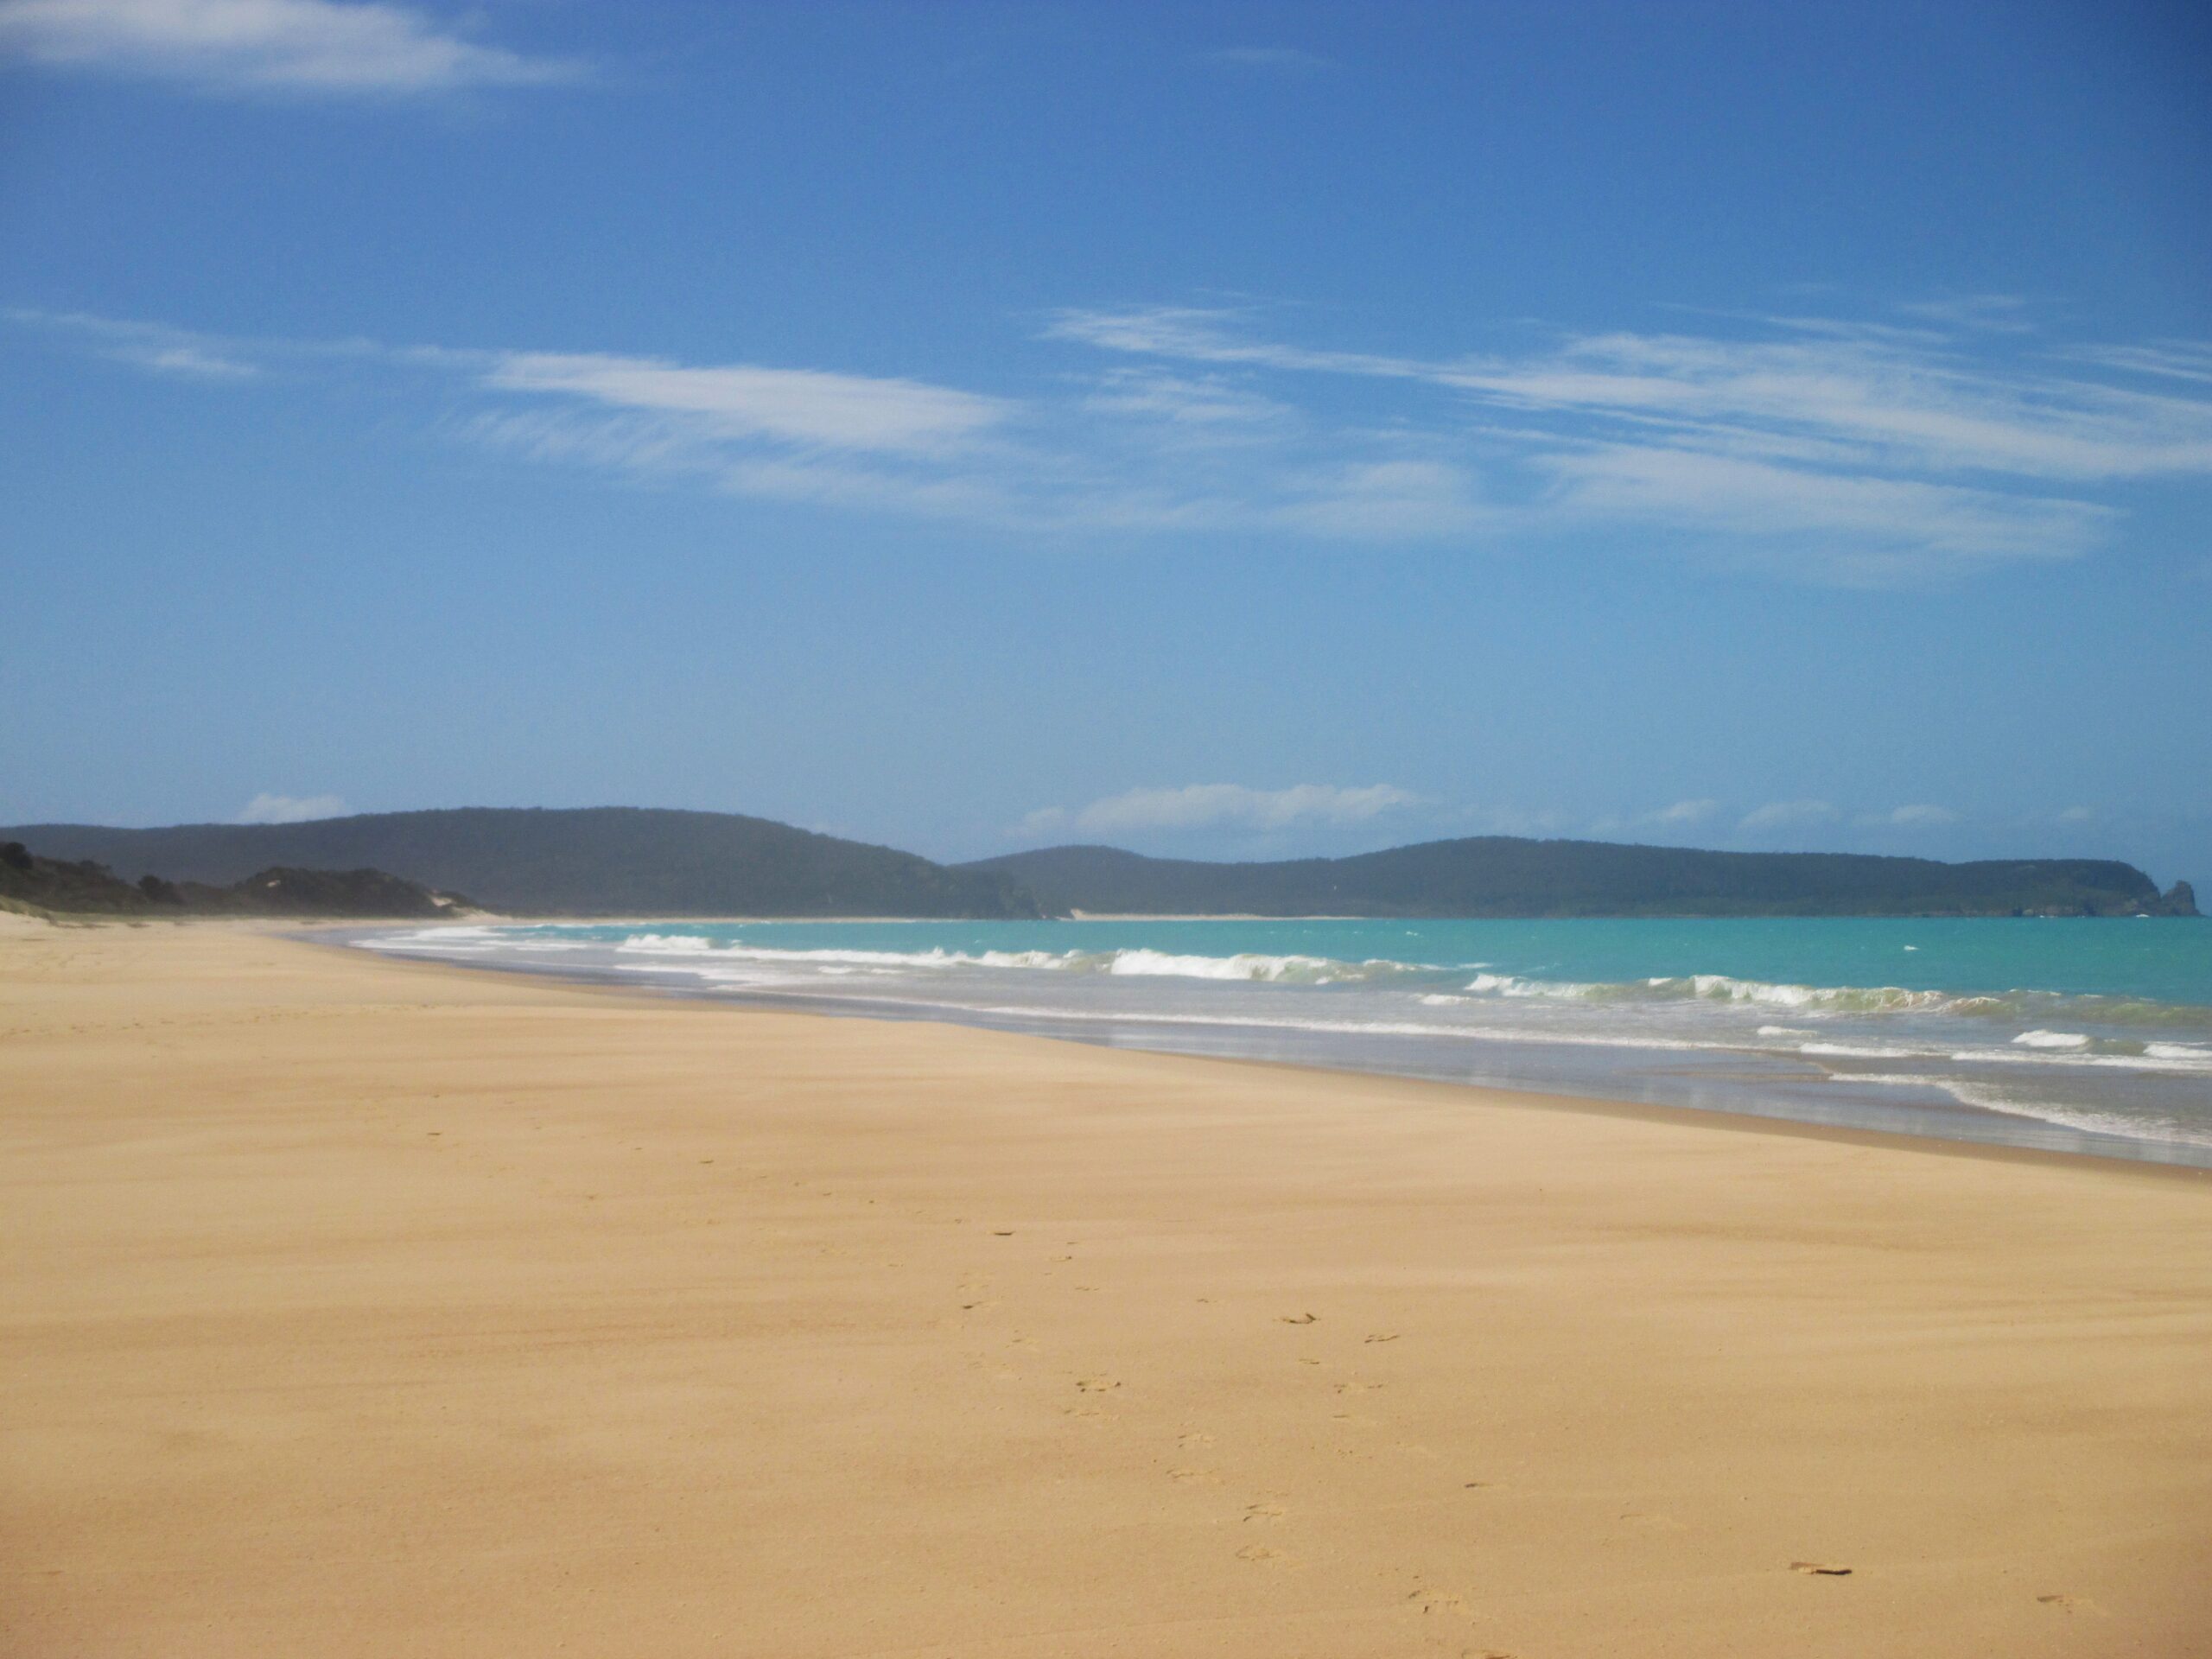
{"x": 327, "y": 46}
{"x": 1837, "y": 452}
{"x": 1855, "y": 451}
{"x": 1209, "y": 403}
{"x": 291, "y": 808}
{"x": 2175, "y": 360}
{"x": 191, "y": 361}
{"x": 1922, "y": 817}
{"x": 806, "y": 407}
{"x": 148, "y": 346}
{"x": 1409, "y": 499}
{"x": 1848, "y": 526}
{"x": 1789, "y": 815}
{"x": 1842, "y": 393}
{"x": 2004, "y": 313}
{"x": 1196, "y": 806}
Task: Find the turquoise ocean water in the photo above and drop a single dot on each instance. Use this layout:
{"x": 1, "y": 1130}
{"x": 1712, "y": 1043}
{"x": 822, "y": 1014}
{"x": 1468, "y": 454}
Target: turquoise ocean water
{"x": 2081, "y": 1035}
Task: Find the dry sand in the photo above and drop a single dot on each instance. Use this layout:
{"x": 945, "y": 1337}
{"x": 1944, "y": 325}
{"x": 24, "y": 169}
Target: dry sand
{"x": 357, "y": 1307}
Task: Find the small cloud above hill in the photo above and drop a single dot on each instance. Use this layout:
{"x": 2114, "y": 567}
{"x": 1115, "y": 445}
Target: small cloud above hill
{"x": 1789, "y": 815}
{"x": 291, "y": 808}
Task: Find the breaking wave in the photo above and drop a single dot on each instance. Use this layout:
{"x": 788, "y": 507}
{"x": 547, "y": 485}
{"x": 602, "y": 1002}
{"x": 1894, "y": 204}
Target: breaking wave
{"x": 1133, "y": 964}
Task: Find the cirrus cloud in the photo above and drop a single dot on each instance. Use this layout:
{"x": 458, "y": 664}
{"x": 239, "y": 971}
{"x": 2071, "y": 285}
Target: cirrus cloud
{"x": 1841, "y": 453}
{"x": 807, "y": 407}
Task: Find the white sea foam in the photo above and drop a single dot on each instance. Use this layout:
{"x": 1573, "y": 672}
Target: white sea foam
{"x": 1134, "y": 964}
{"x": 668, "y": 944}
{"x": 2169, "y": 1064}
{"x": 693, "y": 944}
{"x": 2179, "y": 1051}
{"x": 1815, "y": 1001}
{"x": 1159, "y": 963}
{"x": 472, "y": 937}
{"x": 1511, "y": 985}
{"x": 1723, "y": 987}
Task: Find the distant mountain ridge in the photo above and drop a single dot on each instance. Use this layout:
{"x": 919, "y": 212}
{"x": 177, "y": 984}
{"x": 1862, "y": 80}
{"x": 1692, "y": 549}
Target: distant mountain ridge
{"x": 1508, "y": 876}
{"x": 614, "y": 861}
{"x": 655, "y": 861}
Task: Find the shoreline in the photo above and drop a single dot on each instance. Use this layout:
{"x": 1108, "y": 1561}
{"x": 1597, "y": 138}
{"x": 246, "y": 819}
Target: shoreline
{"x": 365, "y": 1306}
{"x": 1948, "y": 1121}
{"x": 1487, "y": 1096}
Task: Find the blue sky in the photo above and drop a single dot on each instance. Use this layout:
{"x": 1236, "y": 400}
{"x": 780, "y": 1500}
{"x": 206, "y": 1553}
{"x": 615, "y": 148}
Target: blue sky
{"x": 1222, "y": 430}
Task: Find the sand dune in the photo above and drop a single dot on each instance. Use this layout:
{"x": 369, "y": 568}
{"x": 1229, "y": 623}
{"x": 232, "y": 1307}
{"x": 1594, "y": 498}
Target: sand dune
{"x": 359, "y": 1307}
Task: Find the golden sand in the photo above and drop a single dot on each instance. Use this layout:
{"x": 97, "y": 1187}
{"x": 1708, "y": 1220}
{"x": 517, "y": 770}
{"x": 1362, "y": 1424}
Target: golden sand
{"x": 360, "y": 1307}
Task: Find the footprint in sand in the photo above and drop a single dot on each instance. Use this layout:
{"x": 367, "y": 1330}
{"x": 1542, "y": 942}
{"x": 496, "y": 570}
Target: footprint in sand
{"x": 1263, "y": 1511}
{"x": 1097, "y": 1385}
{"x": 1296, "y": 1318}
{"x": 1186, "y": 1476}
{"x": 2073, "y": 1605}
{"x": 1258, "y": 1553}
{"x": 1193, "y": 1438}
{"x": 1355, "y": 1387}
{"x": 1381, "y": 1336}
{"x": 1438, "y": 1601}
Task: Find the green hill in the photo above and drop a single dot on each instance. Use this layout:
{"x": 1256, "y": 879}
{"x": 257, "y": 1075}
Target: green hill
{"x": 590, "y": 861}
{"x": 1499, "y": 875}
{"x": 84, "y": 887}
{"x": 629, "y": 861}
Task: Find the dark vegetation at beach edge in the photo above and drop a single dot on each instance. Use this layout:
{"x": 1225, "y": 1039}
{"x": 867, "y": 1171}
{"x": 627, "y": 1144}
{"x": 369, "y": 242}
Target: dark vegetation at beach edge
{"x": 641, "y": 861}
{"x": 60, "y": 888}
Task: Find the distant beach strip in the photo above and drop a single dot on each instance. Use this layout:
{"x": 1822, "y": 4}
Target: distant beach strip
{"x": 2079, "y": 1035}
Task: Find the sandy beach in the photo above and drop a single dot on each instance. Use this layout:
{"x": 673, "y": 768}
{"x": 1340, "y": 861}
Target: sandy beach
{"x": 363, "y": 1307}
